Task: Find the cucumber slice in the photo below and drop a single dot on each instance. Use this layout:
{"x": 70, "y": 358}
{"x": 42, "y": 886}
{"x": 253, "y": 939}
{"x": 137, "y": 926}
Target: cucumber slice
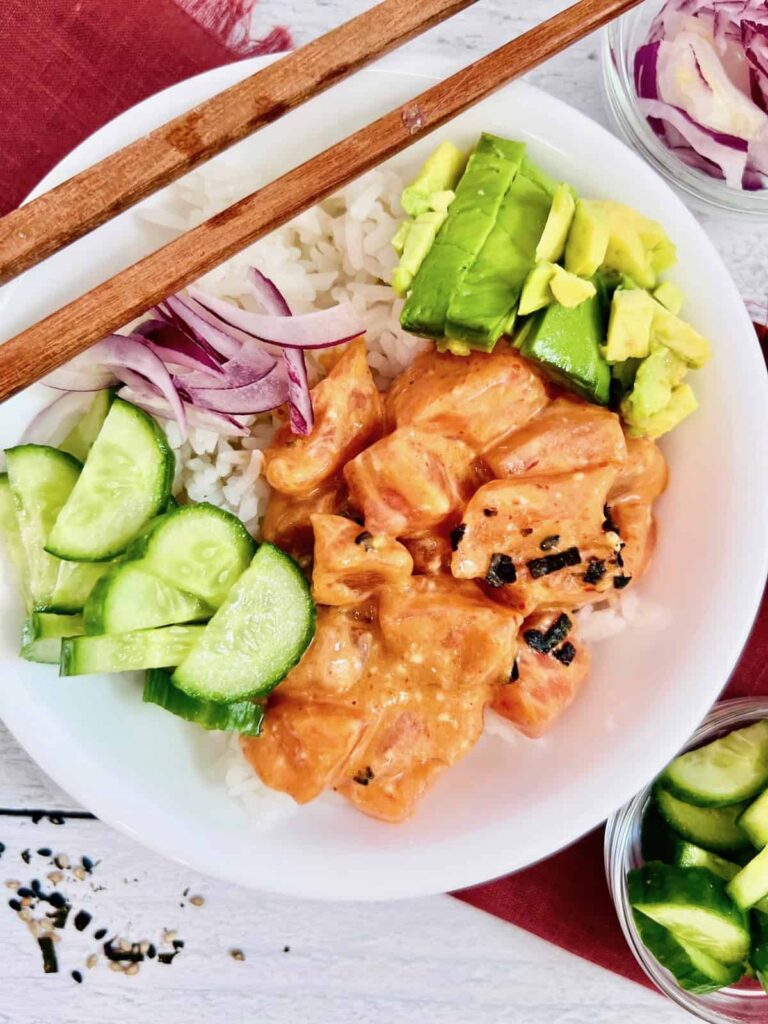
{"x": 42, "y": 635}
{"x": 726, "y": 771}
{"x": 42, "y": 480}
{"x": 74, "y": 584}
{"x": 9, "y": 526}
{"x": 198, "y": 548}
{"x": 126, "y": 652}
{"x": 689, "y": 855}
{"x": 692, "y": 968}
{"x": 244, "y": 716}
{"x": 258, "y": 634}
{"x": 126, "y": 481}
{"x": 751, "y": 884}
{"x": 758, "y": 958}
{"x": 79, "y": 440}
{"x": 129, "y": 598}
{"x": 694, "y": 905}
{"x": 714, "y": 828}
{"x": 754, "y": 821}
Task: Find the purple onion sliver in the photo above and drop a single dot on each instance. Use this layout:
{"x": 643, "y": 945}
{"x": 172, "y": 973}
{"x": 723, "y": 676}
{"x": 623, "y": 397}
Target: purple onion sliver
{"x": 299, "y": 397}
{"x": 268, "y": 294}
{"x": 261, "y": 396}
{"x": 54, "y": 421}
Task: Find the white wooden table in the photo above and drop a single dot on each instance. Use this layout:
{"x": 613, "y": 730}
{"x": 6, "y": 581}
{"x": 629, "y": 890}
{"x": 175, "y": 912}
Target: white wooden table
{"x": 433, "y": 960}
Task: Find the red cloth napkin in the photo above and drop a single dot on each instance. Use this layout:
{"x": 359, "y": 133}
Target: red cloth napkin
{"x": 68, "y": 67}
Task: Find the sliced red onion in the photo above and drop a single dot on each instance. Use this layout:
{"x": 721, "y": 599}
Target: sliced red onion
{"x": 300, "y": 409}
{"x": 261, "y": 396}
{"x": 82, "y": 373}
{"x": 121, "y": 353}
{"x": 321, "y": 329}
{"x": 52, "y": 424}
{"x": 228, "y": 426}
{"x": 173, "y": 345}
{"x": 235, "y": 375}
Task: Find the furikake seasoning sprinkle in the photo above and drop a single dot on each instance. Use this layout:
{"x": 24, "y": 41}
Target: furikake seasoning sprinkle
{"x": 565, "y": 654}
{"x": 595, "y": 570}
{"x": 365, "y": 539}
{"x": 609, "y": 526}
{"x": 364, "y": 776}
{"x": 622, "y": 581}
{"x": 50, "y": 963}
{"x": 514, "y": 675}
{"x": 489, "y": 513}
{"x": 456, "y": 535}
{"x": 553, "y": 563}
{"x": 544, "y": 643}
{"x": 550, "y": 542}
{"x": 501, "y": 571}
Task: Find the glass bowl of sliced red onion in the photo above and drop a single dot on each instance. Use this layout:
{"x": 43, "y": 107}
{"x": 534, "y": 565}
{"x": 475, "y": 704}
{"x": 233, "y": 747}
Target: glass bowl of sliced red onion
{"x": 687, "y": 84}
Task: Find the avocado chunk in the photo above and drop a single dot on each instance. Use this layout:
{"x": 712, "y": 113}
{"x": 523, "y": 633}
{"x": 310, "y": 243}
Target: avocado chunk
{"x": 682, "y": 403}
{"x": 588, "y": 238}
{"x": 637, "y": 246}
{"x": 536, "y": 293}
{"x": 670, "y": 296}
{"x": 566, "y": 344}
{"x": 491, "y": 169}
{"x": 629, "y": 326}
{"x": 680, "y": 337}
{"x": 570, "y": 290}
{"x": 553, "y": 238}
{"x": 418, "y": 241}
{"x": 439, "y": 172}
{"x": 656, "y": 378}
{"x": 480, "y": 306}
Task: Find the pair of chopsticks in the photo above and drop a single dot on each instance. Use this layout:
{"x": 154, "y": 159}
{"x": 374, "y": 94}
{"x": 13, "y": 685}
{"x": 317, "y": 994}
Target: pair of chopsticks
{"x": 58, "y": 217}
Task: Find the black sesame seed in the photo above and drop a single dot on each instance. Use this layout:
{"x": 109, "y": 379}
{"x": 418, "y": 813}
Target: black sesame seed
{"x": 87, "y": 864}
{"x": 620, "y": 582}
{"x": 151, "y": 952}
{"x": 36, "y": 888}
{"x": 2, "y": 849}
{"x": 98, "y": 935}
{"x": 595, "y": 571}
{"x": 78, "y": 977}
{"x": 44, "y": 851}
{"x": 15, "y": 904}
{"x": 167, "y": 958}
{"x": 553, "y": 563}
{"x": 57, "y": 900}
{"x": 565, "y": 654}
{"x": 550, "y": 542}
{"x": 178, "y": 944}
{"x": 82, "y": 920}
{"x": 55, "y": 819}
{"x": 25, "y": 893}
{"x": 501, "y": 571}
{"x": 490, "y": 512}
{"x": 286, "y": 949}
{"x": 26, "y": 856}
{"x": 456, "y": 535}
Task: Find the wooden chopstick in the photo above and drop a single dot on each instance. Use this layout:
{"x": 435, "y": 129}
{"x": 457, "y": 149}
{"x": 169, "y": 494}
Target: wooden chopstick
{"x": 88, "y": 199}
{"x": 36, "y": 351}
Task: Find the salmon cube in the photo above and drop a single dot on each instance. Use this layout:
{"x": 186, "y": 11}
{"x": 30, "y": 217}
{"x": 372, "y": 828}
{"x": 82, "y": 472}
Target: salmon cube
{"x": 351, "y": 563}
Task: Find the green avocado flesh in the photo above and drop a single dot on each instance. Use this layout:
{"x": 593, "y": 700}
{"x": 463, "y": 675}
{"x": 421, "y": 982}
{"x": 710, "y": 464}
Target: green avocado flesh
{"x": 481, "y": 306}
{"x": 471, "y": 217}
{"x": 566, "y": 344}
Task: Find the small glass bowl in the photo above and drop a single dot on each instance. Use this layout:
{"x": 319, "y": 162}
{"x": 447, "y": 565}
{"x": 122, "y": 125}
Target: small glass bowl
{"x": 745, "y": 1003}
{"x": 710, "y": 195}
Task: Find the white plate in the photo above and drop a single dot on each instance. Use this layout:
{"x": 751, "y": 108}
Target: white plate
{"x": 504, "y": 806}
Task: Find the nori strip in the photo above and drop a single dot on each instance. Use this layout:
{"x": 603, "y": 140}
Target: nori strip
{"x": 565, "y": 654}
{"x": 543, "y": 643}
{"x": 50, "y": 962}
{"x": 547, "y": 564}
{"x": 501, "y": 571}
{"x": 595, "y": 570}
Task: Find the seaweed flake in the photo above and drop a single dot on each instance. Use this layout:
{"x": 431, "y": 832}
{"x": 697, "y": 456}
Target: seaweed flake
{"x": 514, "y": 675}
{"x": 553, "y": 563}
{"x": 50, "y": 962}
{"x": 565, "y": 654}
{"x": 364, "y": 776}
{"x": 595, "y": 570}
{"x": 609, "y": 526}
{"x": 456, "y": 535}
{"x": 490, "y": 512}
{"x": 501, "y": 571}
{"x": 544, "y": 643}
{"x": 550, "y": 542}
{"x": 364, "y": 539}
{"x": 622, "y": 581}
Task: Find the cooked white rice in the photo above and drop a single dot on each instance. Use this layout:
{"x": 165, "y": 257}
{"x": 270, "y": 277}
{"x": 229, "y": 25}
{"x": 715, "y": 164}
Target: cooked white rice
{"x": 337, "y": 251}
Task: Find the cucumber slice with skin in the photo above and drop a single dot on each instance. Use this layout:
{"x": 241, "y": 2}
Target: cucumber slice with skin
{"x": 42, "y": 635}
{"x": 726, "y": 771}
{"x": 657, "y": 840}
{"x": 754, "y": 821}
{"x": 256, "y": 637}
{"x": 751, "y": 884}
{"x": 129, "y": 598}
{"x": 9, "y": 527}
{"x": 197, "y": 548}
{"x": 126, "y": 652}
{"x": 74, "y": 584}
{"x": 689, "y": 855}
{"x": 714, "y": 828}
{"x": 692, "y": 968}
{"x": 244, "y": 716}
{"x": 758, "y": 958}
{"x": 694, "y": 905}
{"x": 79, "y": 440}
{"x": 41, "y": 479}
{"x": 126, "y": 481}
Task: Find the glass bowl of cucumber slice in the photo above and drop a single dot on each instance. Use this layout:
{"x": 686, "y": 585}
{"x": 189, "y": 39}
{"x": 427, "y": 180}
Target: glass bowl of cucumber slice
{"x": 687, "y": 866}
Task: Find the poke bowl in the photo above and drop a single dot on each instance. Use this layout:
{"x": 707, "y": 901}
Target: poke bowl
{"x": 665, "y": 651}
